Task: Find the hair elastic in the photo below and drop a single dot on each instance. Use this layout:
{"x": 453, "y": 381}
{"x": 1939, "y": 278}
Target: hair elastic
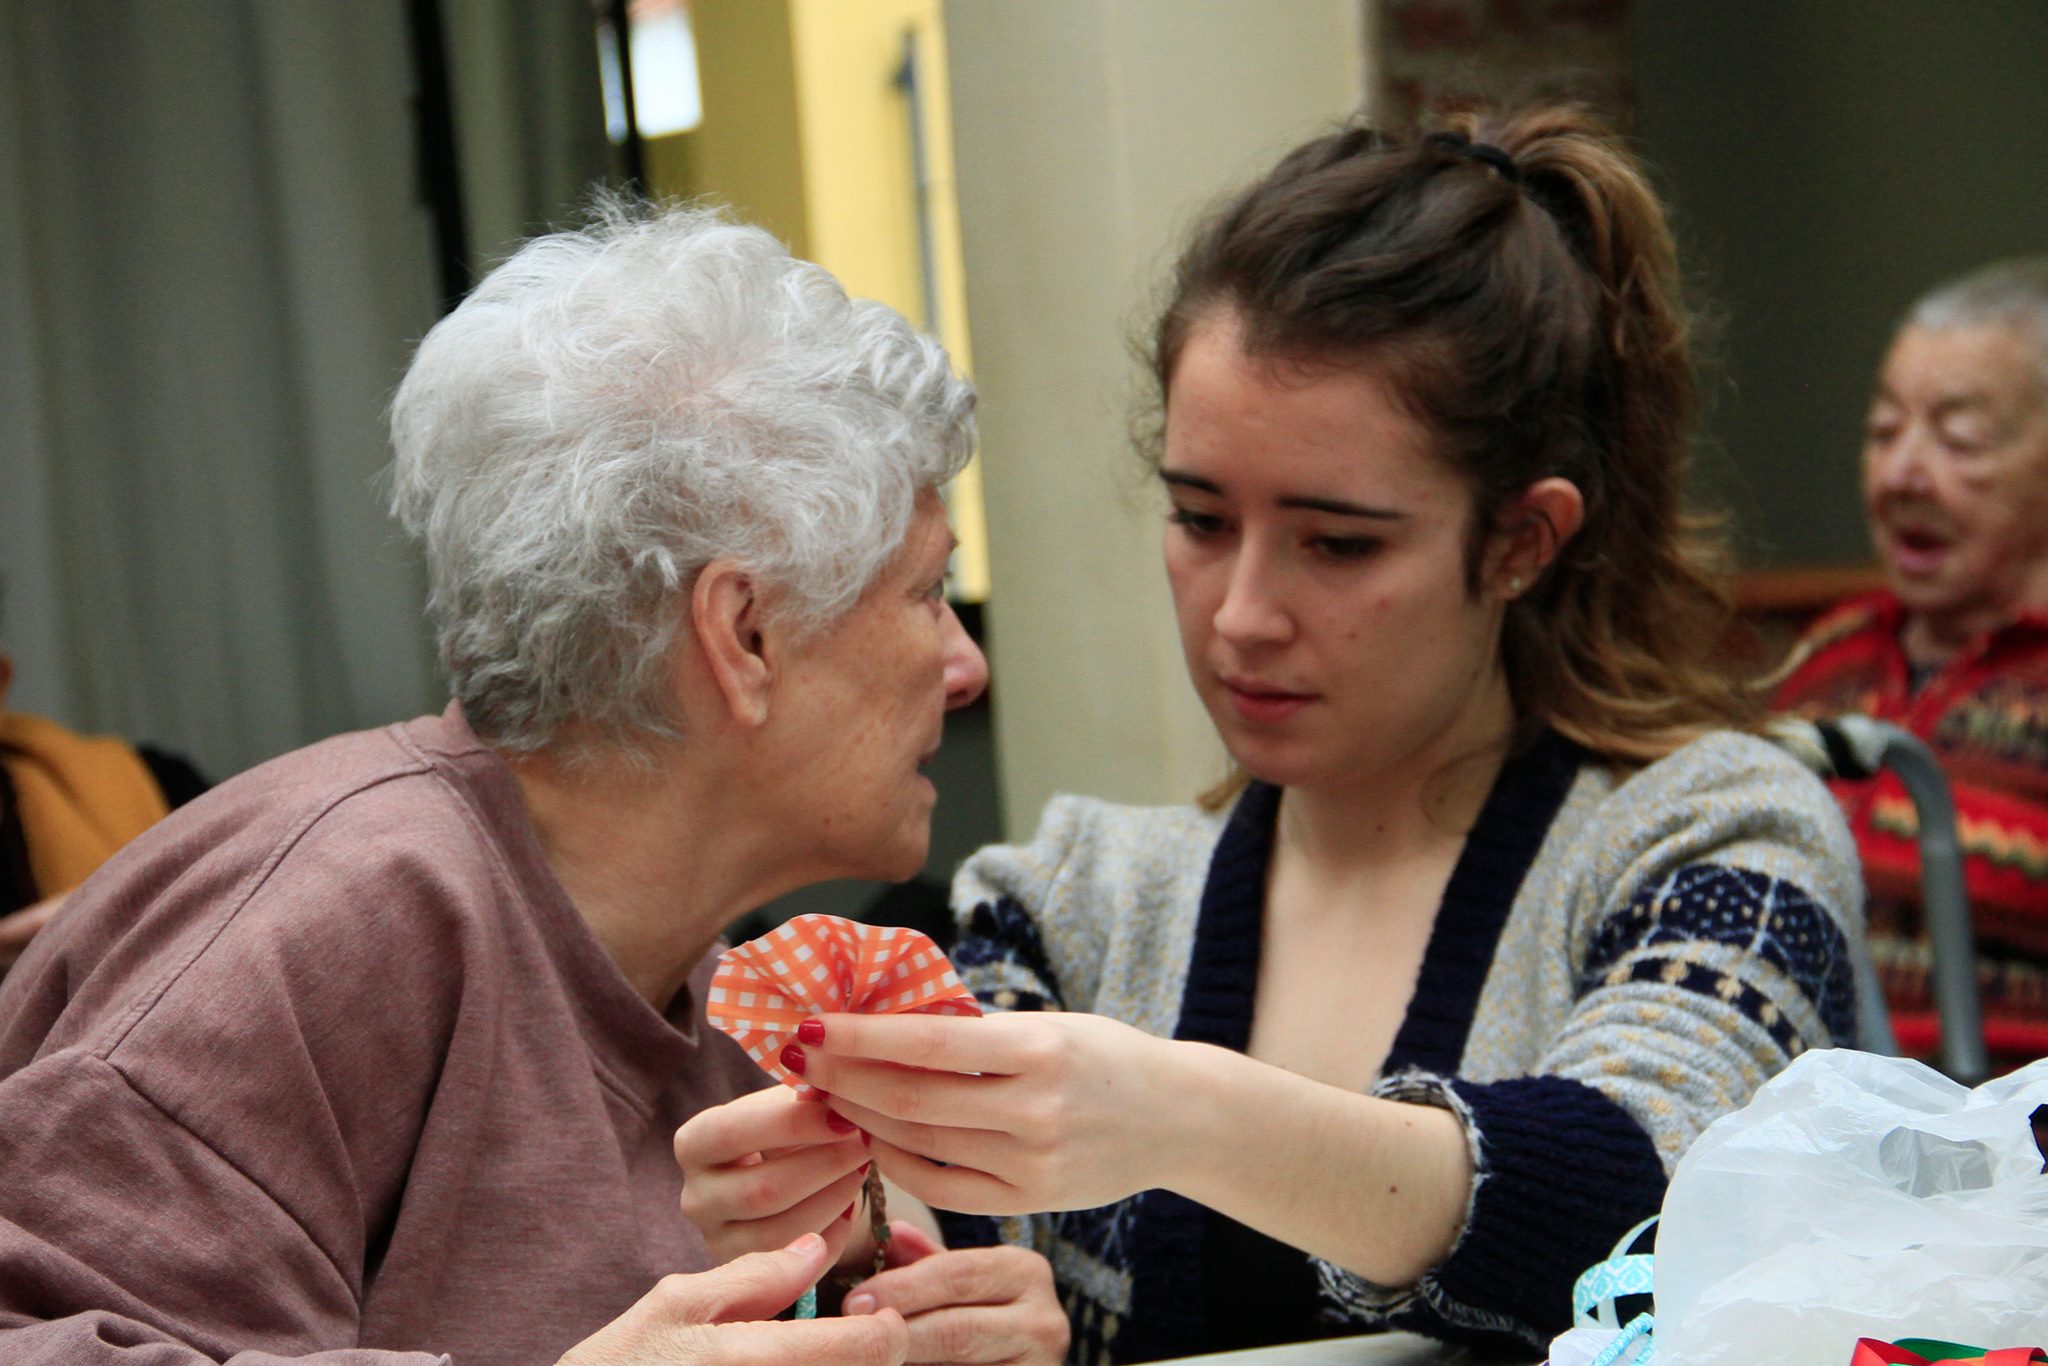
{"x": 1459, "y": 145}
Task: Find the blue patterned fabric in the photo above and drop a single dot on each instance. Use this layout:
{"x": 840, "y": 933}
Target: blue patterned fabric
{"x": 1658, "y": 935}
{"x": 998, "y": 933}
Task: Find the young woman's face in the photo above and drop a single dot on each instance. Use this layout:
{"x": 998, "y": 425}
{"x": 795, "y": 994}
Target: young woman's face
{"x": 1316, "y": 547}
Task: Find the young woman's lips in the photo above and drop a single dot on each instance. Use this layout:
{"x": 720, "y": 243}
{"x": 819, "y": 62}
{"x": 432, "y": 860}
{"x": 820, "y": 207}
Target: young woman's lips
{"x": 1263, "y": 706}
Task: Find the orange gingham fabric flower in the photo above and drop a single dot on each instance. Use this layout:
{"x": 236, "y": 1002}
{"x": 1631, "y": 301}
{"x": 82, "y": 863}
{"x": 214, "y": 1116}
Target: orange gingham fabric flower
{"x": 813, "y": 964}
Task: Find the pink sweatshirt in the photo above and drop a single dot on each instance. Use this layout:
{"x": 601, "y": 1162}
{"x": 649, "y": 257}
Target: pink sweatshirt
{"x": 326, "y": 1065}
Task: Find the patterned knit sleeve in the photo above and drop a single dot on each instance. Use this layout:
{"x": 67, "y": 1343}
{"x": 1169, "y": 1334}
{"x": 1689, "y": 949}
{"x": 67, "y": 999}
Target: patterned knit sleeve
{"x": 1001, "y": 955}
{"x": 1708, "y": 906}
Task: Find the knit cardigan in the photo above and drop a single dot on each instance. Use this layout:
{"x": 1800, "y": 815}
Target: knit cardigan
{"x": 1618, "y": 959}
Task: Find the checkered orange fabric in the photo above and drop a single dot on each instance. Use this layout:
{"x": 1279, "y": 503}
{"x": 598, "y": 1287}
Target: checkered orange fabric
{"x": 766, "y": 987}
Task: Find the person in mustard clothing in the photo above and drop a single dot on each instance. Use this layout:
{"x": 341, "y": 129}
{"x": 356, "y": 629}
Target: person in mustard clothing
{"x": 67, "y": 802}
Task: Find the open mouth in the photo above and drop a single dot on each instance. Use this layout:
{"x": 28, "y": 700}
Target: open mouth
{"x": 1917, "y": 550}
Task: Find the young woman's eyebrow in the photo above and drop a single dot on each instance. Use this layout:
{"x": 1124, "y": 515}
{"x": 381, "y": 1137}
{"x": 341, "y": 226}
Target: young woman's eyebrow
{"x": 1344, "y": 509}
{"x": 1333, "y": 505}
{"x": 1190, "y": 481}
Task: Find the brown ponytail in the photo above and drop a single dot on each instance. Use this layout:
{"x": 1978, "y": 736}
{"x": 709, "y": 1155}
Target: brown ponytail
{"x": 1529, "y": 306}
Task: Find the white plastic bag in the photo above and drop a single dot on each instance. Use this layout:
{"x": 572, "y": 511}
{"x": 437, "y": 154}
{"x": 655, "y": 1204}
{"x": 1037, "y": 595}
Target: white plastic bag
{"x": 1857, "y": 1196}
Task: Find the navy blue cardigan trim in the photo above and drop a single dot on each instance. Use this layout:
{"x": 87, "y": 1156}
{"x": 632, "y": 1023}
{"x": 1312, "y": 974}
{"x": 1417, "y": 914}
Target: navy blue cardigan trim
{"x": 1496, "y": 858}
{"x": 1170, "y": 1234}
{"x": 1530, "y": 1234}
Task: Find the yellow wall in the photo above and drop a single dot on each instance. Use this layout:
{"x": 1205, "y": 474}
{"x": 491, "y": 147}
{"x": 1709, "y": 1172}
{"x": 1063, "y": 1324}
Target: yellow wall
{"x": 748, "y": 152}
{"x": 806, "y": 133}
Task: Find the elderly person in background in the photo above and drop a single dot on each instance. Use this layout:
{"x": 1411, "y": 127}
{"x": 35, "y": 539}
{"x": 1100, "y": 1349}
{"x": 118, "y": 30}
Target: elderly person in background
{"x": 376, "y": 1051}
{"x": 1955, "y": 484}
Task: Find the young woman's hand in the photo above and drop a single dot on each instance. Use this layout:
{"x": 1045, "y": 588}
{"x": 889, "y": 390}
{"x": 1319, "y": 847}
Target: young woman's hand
{"x": 763, "y": 1169}
{"x": 984, "y": 1304}
{"x": 1008, "y": 1114}
{"x": 1039, "y": 1111}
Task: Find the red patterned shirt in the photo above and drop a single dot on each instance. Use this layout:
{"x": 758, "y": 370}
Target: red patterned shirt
{"x": 1985, "y": 714}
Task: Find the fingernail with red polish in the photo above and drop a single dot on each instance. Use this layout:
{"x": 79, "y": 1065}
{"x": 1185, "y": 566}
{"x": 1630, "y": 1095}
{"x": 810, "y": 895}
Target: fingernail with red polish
{"x": 847, "y": 1213}
{"x": 793, "y": 1059}
{"x": 838, "y": 1123}
{"x": 866, "y": 1167}
{"x": 867, "y": 1140}
{"x": 811, "y": 1031}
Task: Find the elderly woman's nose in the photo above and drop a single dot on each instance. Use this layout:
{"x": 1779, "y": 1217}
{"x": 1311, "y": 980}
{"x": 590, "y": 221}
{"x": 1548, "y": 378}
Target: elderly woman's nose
{"x": 1903, "y": 463}
{"x": 966, "y": 668}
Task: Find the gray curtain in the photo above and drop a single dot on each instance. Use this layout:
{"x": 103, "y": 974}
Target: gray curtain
{"x": 213, "y": 264}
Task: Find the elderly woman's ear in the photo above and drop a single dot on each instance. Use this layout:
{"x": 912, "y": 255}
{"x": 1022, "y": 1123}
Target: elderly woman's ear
{"x": 726, "y": 613}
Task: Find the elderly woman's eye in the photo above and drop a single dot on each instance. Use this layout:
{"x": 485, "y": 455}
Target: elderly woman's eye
{"x": 1966, "y": 438}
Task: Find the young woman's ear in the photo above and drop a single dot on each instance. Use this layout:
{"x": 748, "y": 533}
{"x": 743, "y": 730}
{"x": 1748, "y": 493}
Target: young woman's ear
{"x": 727, "y": 615}
{"x": 1533, "y": 529}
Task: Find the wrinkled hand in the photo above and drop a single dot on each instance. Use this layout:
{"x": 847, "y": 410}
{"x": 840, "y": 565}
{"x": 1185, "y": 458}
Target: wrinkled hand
{"x": 711, "y": 1319}
{"x": 1008, "y": 1114}
{"x": 18, "y": 927}
{"x": 988, "y": 1304}
{"x": 762, "y": 1169}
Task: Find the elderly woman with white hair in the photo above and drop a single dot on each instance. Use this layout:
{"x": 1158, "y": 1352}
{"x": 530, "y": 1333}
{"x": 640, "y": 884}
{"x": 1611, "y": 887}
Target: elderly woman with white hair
{"x": 374, "y": 1054}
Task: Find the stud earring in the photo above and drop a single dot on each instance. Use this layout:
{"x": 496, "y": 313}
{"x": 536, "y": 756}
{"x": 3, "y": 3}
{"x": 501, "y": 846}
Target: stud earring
{"x": 1514, "y": 587}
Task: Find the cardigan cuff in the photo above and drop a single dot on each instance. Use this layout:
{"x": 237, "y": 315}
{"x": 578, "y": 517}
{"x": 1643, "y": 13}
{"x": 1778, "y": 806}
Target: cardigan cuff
{"x": 1559, "y": 1173}
{"x": 1567, "y": 1173}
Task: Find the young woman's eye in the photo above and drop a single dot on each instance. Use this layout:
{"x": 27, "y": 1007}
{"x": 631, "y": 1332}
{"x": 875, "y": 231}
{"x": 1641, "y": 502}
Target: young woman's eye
{"x": 1196, "y": 524}
{"x": 1345, "y": 547}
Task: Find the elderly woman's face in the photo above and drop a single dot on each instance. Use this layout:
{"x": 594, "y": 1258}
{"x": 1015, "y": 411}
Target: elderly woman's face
{"x": 869, "y": 699}
{"x": 1955, "y": 476}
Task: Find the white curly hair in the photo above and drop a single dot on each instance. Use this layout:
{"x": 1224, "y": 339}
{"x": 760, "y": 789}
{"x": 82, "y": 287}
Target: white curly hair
{"x": 614, "y": 407}
{"x": 2011, "y": 293}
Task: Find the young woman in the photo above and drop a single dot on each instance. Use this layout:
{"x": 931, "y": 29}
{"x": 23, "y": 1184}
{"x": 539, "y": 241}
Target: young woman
{"x": 1510, "y": 899}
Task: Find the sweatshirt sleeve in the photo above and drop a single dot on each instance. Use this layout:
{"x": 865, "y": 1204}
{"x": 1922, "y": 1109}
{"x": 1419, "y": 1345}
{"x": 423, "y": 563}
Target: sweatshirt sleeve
{"x": 1710, "y": 945}
{"x": 207, "y": 1146}
{"x": 132, "y": 1239}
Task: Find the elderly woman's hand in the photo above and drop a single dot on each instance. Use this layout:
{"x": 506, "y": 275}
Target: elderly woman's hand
{"x": 1009, "y": 1114}
{"x": 716, "y": 1318}
{"x": 984, "y": 1304}
{"x": 760, "y": 1170}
